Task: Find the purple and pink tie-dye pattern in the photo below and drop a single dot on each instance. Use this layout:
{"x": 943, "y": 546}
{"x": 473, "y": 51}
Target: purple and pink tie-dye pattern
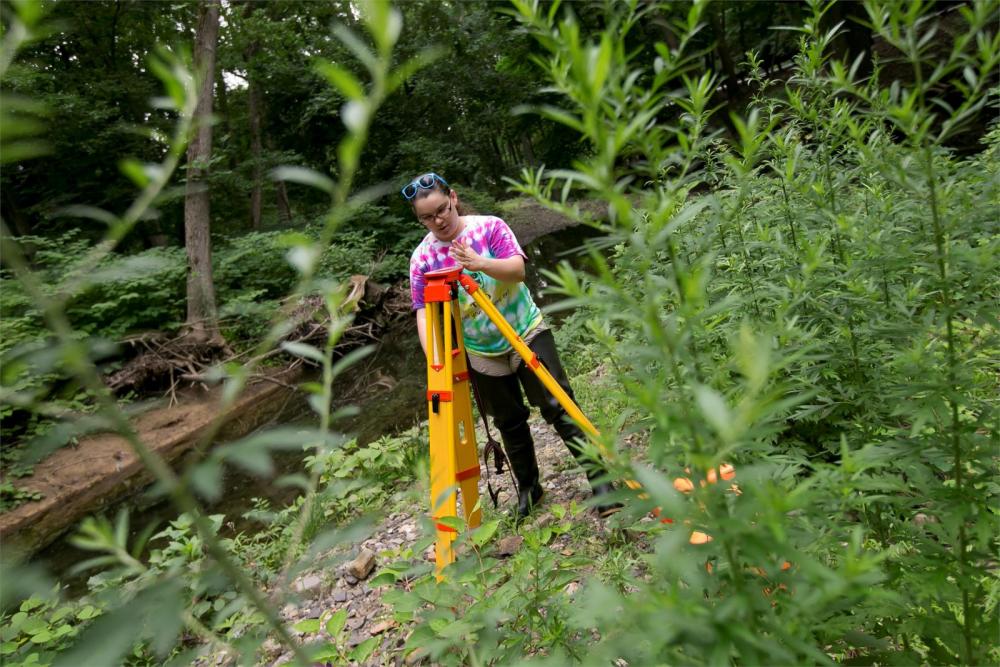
{"x": 490, "y": 237}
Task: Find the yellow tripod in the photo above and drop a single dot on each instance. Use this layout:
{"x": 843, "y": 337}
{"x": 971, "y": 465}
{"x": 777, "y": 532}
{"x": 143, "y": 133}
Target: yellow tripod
{"x": 454, "y": 455}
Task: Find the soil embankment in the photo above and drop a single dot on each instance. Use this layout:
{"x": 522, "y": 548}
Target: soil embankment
{"x": 529, "y": 220}
{"x": 102, "y": 469}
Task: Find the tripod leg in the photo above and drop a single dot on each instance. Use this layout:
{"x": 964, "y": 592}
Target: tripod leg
{"x": 466, "y": 453}
{"x": 571, "y": 408}
{"x": 529, "y": 357}
{"x": 441, "y": 427}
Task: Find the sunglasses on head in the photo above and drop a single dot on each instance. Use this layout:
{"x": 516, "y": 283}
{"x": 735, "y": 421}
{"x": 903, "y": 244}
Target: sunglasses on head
{"x": 425, "y": 182}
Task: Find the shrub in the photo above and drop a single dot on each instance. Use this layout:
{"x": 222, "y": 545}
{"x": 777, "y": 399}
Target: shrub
{"x": 812, "y": 299}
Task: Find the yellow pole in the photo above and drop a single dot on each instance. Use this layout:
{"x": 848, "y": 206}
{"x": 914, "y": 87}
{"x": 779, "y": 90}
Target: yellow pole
{"x": 454, "y": 459}
{"x": 529, "y": 357}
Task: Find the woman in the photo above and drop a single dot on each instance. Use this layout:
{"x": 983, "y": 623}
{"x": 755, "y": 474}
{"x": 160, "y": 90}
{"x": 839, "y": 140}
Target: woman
{"x": 485, "y": 246}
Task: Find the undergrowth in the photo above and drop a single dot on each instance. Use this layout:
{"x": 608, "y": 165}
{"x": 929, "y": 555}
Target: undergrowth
{"x": 813, "y": 299}
{"x": 145, "y": 292}
{"x": 810, "y": 296}
{"x": 356, "y": 482}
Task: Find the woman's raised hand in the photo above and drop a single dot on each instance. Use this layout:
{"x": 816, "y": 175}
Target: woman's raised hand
{"x": 466, "y": 256}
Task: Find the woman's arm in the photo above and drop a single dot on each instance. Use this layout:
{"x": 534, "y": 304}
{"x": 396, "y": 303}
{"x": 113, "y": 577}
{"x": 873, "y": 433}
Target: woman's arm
{"x": 422, "y": 328}
{"x": 507, "y": 270}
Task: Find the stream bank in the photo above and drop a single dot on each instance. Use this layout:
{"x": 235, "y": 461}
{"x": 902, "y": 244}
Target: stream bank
{"x": 387, "y": 387}
{"x": 104, "y": 469}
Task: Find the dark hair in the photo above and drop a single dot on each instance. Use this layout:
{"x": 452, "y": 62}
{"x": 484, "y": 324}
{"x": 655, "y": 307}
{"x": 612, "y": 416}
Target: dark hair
{"x": 446, "y": 191}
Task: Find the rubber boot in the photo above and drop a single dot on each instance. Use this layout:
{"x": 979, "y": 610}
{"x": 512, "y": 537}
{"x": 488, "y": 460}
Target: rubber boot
{"x": 521, "y": 454}
{"x": 571, "y": 434}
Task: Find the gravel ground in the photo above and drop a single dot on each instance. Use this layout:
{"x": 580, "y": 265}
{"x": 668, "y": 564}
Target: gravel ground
{"x": 323, "y": 593}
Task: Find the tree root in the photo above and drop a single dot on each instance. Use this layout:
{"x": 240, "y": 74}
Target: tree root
{"x": 161, "y": 364}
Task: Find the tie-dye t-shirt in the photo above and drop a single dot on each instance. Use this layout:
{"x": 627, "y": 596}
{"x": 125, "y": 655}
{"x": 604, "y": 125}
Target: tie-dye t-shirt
{"x": 490, "y": 237}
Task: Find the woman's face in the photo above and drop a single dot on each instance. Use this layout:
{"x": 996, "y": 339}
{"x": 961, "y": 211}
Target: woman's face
{"x": 438, "y": 214}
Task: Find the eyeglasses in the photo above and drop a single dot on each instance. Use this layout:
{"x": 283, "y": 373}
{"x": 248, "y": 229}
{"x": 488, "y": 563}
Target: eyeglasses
{"x": 425, "y": 182}
{"x": 431, "y": 217}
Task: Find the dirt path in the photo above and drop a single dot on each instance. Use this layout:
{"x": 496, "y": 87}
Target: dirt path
{"x": 323, "y": 593}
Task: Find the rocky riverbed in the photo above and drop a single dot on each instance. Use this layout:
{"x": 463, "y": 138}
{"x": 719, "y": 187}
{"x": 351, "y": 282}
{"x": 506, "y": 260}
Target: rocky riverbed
{"x": 321, "y": 594}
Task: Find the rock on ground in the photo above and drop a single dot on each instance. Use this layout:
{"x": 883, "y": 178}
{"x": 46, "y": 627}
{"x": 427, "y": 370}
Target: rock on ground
{"x": 348, "y": 588}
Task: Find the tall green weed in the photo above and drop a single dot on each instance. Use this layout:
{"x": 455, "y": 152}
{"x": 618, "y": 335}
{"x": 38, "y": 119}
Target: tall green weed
{"x": 156, "y": 614}
{"x": 811, "y": 297}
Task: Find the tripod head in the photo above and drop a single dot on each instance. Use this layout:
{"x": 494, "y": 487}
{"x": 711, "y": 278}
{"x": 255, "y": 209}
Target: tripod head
{"x": 450, "y": 274}
{"x": 442, "y": 285}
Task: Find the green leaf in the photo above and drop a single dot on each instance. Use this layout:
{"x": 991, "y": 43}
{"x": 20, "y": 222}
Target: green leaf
{"x": 351, "y": 358}
{"x": 357, "y": 47}
{"x": 34, "y": 625}
{"x": 336, "y": 623}
{"x": 305, "y": 177}
{"x": 455, "y": 629}
{"x": 31, "y": 603}
{"x": 88, "y": 612}
{"x": 322, "y": 653}
{"x": 485, "y": 532}
{"x": 714, "y": 409}
{"x": 206, "y": 479}
{"x": 452, "y": 522}
{"x": 41, "y": 637}
{"x": 121, "y": 528}
{"x": 255, "y": 461}
{"x": 363, "y": 651}
{"x": 307, "y": 626}
{"x": 303, "y": 350}
{"x": 18, "y": 151}
{"x": 341, "y": 79}
{"x": 384, "y": 578}
{"x": 128, "y": 268}
{"x": 135, "y": 171}
{"x": 90, "y": 213}
{"x": 296, "y": 480}
{"x": 175, "y": 78}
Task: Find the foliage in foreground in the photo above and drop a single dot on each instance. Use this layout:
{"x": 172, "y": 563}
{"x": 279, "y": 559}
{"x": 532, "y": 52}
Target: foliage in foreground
{"x": 355, "y": 481}
{"x": 144, "y": 292}
{"x": 157, "y": 615}
{"x": 814, "y": 301}
{"x": 824, "y": 317}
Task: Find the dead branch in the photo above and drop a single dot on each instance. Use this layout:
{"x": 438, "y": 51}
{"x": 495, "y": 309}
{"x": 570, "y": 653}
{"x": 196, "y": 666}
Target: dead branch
{"x": 161, "y": 364}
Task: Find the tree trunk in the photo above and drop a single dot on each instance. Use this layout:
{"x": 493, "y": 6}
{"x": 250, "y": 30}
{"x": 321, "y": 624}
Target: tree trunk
{"x": 11, "y": 213}
{"x": 256, "y": 156}
{"x": 201, "y": 313}
{"x": 718, "y": 17}
{"x": 255, "y": 110}
{"x": 224, "y": 125}
{"x": 284, "y": 208}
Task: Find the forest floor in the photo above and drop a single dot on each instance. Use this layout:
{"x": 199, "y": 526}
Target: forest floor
{"x": 321, "y": 593}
